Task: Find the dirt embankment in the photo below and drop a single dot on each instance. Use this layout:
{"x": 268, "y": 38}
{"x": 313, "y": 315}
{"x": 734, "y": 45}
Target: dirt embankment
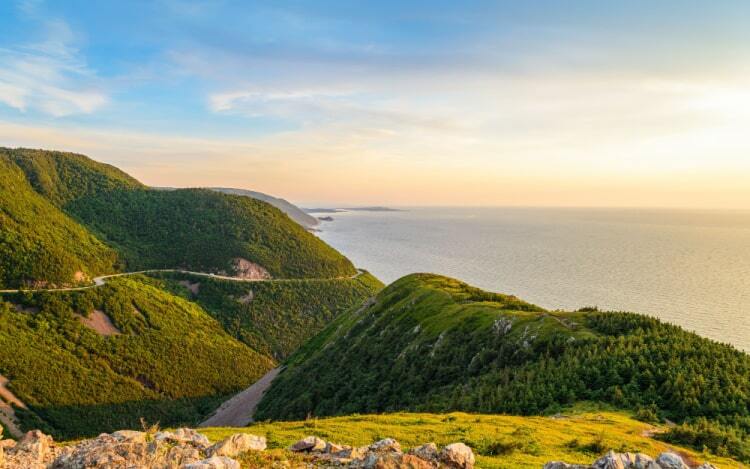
{"x": 7, "y": 414}
{"x": 238, "y": 411}
{"x": 100, "y": 323}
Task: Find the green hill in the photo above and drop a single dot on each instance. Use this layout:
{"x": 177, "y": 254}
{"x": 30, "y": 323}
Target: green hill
{"x": 294, "y": 212}
{"x": 39, "y": 244}
{"x": 167, "y": 360}
{"x": 93, "y": 218}
{"x": 63, "y": 177}
{"x": 274, "y": 318}
{"x": 203, "y": 230}
{"x": 430, "y": 343}
{"x": 170, "y": 359}
{"x": 161, "y": 352}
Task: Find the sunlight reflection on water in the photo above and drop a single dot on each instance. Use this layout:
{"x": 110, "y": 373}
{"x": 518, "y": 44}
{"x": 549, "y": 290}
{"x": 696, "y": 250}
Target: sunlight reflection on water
{"x": 690, "y": 268}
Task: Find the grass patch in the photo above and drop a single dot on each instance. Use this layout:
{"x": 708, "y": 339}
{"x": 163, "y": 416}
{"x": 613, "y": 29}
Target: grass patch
{"x": 498, "y": 441}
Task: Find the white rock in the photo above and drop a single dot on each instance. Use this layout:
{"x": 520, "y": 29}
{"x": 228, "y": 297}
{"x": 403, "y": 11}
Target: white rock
{"x": 129, "y": 435}
{"x": 458, "y": 456}
{"x": 562, "y": 465}
{"x": 386, "y": 445}
{"x": 238, "y": 443}
{"x": 671, "y": 461}
{"x": 216, "y": 462}
{"x": 184, "y": 435}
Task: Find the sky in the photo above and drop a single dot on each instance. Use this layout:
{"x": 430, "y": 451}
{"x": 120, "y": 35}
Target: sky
{"x": 549, "y": 103}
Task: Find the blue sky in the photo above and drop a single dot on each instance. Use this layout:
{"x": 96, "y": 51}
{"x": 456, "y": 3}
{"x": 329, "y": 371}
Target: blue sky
{"x": 476, "y": 103}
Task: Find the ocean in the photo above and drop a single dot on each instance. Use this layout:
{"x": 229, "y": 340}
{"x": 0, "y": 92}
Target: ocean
{"x": 690, "y": 268}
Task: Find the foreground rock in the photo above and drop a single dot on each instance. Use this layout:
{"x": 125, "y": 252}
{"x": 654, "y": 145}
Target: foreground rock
{"x": 238, "y": 444}
{"x": 186, "y": 448}
{"x": 183, "y": 448}
{"x": 385, "y": 454}
{"x": 34, "y": 450}
{"x": 614, "y": 460}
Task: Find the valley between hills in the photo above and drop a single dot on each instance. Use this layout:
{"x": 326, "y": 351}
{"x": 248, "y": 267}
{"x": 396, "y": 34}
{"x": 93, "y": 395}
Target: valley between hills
{"x": 124, "y": 307}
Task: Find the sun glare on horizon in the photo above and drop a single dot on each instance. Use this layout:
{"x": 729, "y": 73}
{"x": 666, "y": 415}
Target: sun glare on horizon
{"x": 479, "y": 103}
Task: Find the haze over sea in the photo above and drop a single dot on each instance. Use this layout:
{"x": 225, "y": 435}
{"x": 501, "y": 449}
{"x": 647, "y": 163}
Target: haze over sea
{"x": 687, "y": 267}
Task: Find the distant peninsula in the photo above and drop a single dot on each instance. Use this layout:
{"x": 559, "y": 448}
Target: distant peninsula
{"x": 353, "y": 209}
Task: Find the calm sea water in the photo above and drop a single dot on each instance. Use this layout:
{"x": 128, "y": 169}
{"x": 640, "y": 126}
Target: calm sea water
{"x": 690, "y": 268}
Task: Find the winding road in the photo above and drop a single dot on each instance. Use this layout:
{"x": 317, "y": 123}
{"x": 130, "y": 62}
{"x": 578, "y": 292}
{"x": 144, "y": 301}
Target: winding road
{"x": 101, "y": 280}
{"x": 237, "y": 411}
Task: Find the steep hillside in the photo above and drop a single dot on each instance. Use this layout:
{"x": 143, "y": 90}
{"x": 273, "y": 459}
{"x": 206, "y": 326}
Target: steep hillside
{"x": 274, "y": 318}
{"x": 97, "y": 360}
{"x": 39, "y": 244}
{"x": 192, "y": 229}
{"x": 433, "y": 343}
{"x": 202, "y": 230}
{"x": 63, "y": 177}
{"x": 294, "y": 212}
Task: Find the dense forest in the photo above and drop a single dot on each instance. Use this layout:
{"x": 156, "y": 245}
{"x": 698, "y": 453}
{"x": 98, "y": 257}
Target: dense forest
{"x": 171, "y": 355}
{"x": 65, "y": 218}
{"x": 203, "y": 230}
{"x": 177, "y": 355}
{"x": 430, "y": 343}
{"x": 171, "y": 362}
{"x": 39, "y": 244}
{"x": 274, "y": 318}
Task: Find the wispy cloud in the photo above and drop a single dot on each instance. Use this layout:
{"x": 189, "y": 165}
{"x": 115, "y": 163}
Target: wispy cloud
{"x": 50, "y": 75}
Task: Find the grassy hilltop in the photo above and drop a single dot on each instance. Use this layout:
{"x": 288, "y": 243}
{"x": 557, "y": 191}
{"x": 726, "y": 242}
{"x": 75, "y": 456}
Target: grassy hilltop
{"x": 430, "y": 343}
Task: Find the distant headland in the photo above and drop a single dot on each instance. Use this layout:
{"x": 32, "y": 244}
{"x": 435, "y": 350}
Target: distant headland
{"x": 353, "y": 209}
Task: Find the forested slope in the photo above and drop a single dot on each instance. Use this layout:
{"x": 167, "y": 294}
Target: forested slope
{"x": 203, "y": 230}
{"x": 295, "y": 213}
{"x": 274, "y": 318}
{"x": 39, "y": 244}
{"x": 171, "y": 362}
{"x": 93, "y": 218}
{"x": 433, "y": 343}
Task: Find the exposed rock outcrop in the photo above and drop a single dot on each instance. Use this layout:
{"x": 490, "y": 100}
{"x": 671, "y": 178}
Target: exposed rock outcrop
{"x": 245, "y": 269}
{"x": 309, "y": 444}
{"x": 386, "y": 454}
{"x": 182, "y": 448}
{"x": 237, "y": 444}
{"x": 215, "y": 462}
{"x": 186, "y": 448}
{"x": 34, "y": 450}
{"x": 614, "y": 460}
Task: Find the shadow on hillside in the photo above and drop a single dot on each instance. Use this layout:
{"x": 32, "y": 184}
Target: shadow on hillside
{"x": 70, "y": 422}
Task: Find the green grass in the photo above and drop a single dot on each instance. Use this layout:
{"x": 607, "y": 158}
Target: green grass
{"x": 499, "y": 441}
